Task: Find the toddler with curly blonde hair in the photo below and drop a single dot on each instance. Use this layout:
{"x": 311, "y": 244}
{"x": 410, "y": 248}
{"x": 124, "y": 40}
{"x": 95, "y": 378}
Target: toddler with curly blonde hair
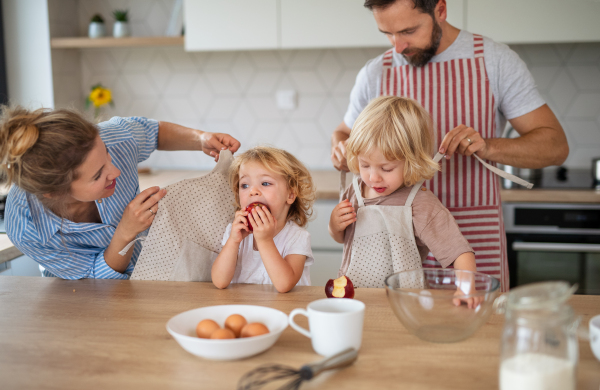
{"x": 268, "y": 244}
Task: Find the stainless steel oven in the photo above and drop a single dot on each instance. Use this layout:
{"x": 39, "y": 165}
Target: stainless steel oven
{"x": 554, "y": 242}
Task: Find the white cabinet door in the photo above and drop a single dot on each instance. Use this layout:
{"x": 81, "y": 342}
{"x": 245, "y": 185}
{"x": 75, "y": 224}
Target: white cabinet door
{"x": 339, "y": 23}
{"x": 319, "y": 226}
{"x": 326, "y": 266}
{"x": 328, "y": 23}
{"x": 230, "y": 24}
{"x": 535, "y": 21}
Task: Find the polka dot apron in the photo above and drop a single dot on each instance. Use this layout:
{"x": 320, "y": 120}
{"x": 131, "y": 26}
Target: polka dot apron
{"x": 186, "y": 234}
{"x": 384, "y": 239}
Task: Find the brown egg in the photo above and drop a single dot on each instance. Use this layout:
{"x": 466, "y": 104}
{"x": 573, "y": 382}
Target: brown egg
{"x": 222, "y": 334}
{"x": 206, "y": 328}
{"x": 254, "y": 329}
{"x": 235, "y": 323}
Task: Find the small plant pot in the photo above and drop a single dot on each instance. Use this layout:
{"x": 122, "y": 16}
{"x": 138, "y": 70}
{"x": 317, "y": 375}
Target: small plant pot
{"x": 96, "y": 30}
{"x": 121, "y": 29}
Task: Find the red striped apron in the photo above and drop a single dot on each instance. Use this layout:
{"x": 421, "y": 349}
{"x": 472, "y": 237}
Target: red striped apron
{"x": 458, "y": 92}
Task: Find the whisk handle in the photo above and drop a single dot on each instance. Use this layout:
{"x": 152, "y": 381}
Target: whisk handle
{"x": 342, "y": 359}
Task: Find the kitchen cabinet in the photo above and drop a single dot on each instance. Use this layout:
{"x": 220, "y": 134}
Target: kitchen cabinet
{"x": 21, "y": 266}
{"x": 231, "y": 25}
{"x": 534, "y": 21}
{"x": 327, "y": 252}
{"x": 286, "y": 24}
{"x": 331, "y": 23}
{"x": 326, "y": 266}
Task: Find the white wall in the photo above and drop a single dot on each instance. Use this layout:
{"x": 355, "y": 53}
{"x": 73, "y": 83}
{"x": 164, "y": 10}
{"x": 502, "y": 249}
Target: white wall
{"x": 27, "y": 43}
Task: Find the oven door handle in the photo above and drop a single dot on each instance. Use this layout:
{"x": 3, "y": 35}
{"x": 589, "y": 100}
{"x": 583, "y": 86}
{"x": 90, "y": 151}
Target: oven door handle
{"x": 554, "y": 247}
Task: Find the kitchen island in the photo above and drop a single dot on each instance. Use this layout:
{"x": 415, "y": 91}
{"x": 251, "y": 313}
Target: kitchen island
{"x": 111, "y": 334}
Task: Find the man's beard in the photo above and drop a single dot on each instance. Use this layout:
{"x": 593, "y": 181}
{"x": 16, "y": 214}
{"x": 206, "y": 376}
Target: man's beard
{"x": 422, "y": 56}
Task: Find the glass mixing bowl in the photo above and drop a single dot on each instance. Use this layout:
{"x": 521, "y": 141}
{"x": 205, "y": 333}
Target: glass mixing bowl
{"x": 422, "y": 300}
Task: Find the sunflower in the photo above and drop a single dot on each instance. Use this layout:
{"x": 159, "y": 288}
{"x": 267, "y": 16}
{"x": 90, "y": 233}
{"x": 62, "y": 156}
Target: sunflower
{"x": 99, "y": 96}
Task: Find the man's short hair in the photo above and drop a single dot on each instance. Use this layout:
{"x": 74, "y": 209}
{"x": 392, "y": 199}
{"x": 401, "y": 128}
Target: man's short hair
{"x": 425, "y": 6}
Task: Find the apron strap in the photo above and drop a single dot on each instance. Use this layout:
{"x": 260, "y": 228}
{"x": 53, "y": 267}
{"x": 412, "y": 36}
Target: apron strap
{"x": 342, "y": 184}
{"x": 357, "y": 192}
{"x": 505, "y": 175}
{"x": 418, "y": 185}
{"x": 413, "y": 193}
{"x": 495, "y": 170}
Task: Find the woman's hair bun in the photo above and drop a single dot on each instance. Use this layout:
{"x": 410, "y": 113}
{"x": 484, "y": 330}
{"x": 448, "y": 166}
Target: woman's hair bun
{"x": 18, "y": 134}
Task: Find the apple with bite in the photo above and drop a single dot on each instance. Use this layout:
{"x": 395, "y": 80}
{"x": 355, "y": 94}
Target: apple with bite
{"x": 341, "y": 287}
{"x": 251, "y": 207}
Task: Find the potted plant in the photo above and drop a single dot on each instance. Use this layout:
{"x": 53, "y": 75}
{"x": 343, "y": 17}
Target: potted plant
{"x": 97, "y": 28}
{"x": 121, "y": 26}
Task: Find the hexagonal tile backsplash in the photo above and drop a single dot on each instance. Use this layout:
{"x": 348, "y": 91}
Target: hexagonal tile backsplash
{"x": 234, "y": 92}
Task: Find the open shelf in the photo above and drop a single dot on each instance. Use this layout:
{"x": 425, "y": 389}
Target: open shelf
{"x": 88, "y": 43}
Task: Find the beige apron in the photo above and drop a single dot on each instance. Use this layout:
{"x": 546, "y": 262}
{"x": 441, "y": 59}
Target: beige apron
{"x": 384, "y": 239}
{"x": 186, "y": 234}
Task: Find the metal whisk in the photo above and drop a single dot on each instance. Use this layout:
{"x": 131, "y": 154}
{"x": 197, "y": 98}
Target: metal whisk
{"x": 264, "y": 375}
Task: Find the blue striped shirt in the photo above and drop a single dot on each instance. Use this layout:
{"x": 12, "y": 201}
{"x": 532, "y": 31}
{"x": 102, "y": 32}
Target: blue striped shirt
{"x": 72, "y": 250}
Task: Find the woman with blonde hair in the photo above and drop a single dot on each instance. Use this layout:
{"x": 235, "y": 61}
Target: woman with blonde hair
{"x": 75, "y": 200}
{"x": 397, "y": 221}
{"x": 268, "y": 244}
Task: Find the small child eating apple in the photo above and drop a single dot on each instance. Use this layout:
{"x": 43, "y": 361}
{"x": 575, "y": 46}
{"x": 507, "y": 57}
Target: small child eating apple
{"x": 266, "y": 243}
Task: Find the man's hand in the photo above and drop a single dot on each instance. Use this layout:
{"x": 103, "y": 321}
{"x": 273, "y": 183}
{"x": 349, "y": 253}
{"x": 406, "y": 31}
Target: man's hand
{"x": 463, "y": 140}
{"x": 213, "y": 143}
{"x": 338, "y": 156}
{"x": 339, "y": 138}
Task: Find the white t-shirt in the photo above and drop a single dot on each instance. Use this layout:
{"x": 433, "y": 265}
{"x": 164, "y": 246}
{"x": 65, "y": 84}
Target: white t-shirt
{"x": 291, "y": 240}
{"x": 511, "y": 82}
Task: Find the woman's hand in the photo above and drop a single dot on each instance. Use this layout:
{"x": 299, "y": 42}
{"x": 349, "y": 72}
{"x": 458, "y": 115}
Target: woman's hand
{"x": 239, "y": 227}
{"x": 263, "y": 224}
{"x": 213, "y": 143}
{"x": 464, "y": 140}
{"x": 140, "y": 212}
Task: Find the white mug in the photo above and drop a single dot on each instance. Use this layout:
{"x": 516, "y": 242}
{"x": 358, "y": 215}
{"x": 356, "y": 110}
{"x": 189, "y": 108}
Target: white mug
{"x": 335, "y": 324}
{"x": 595, "y": 336}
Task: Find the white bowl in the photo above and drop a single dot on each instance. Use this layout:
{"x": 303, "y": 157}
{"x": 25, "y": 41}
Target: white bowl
{"x": 183, "y": 328}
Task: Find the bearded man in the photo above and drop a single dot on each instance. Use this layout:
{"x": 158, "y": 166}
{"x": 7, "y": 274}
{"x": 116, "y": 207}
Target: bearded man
{"x": 471, "y": 86}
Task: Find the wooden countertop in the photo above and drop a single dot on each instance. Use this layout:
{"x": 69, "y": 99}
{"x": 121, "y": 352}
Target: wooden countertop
{"x": 328, "y": 183}
{"x": 90, "y": 334}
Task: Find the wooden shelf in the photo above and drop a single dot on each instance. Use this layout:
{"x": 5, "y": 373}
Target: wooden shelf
{"x": 88, "y": 43}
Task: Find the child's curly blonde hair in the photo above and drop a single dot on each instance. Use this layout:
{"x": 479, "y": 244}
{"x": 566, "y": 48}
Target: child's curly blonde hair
{"x": 282, "y": 163}
{"x": 401, "y": 129}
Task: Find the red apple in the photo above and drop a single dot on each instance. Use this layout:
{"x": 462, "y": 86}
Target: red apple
{"x": 341, "y": 287}
{"x": 251, "y": 207}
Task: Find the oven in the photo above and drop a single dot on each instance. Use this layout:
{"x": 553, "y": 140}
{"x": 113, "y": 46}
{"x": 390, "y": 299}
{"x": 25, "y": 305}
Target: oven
{"x": 554, "y": 242}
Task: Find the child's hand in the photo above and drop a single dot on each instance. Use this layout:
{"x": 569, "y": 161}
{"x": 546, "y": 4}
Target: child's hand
{"x": 263, "y": 223}
{"x": 466, "y": 286}
{"x": 342, "y": 215}
{"x": 239, "y": 227}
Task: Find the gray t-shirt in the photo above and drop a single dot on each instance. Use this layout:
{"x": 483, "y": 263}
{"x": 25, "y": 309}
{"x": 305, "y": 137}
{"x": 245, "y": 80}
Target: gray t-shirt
{"x": 511, "y": 82}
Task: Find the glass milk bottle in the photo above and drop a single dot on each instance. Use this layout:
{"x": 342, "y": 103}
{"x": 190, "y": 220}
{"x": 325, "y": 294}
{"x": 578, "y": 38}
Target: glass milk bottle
{"x": 539, "y": 348}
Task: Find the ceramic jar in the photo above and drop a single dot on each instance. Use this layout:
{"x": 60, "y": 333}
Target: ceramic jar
{"x": 121, "y": 29}
{"x": 96, "y": 30}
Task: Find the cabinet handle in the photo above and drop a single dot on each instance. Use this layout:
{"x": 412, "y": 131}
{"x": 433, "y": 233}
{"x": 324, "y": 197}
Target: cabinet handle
{"x": 553, "y": 247}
